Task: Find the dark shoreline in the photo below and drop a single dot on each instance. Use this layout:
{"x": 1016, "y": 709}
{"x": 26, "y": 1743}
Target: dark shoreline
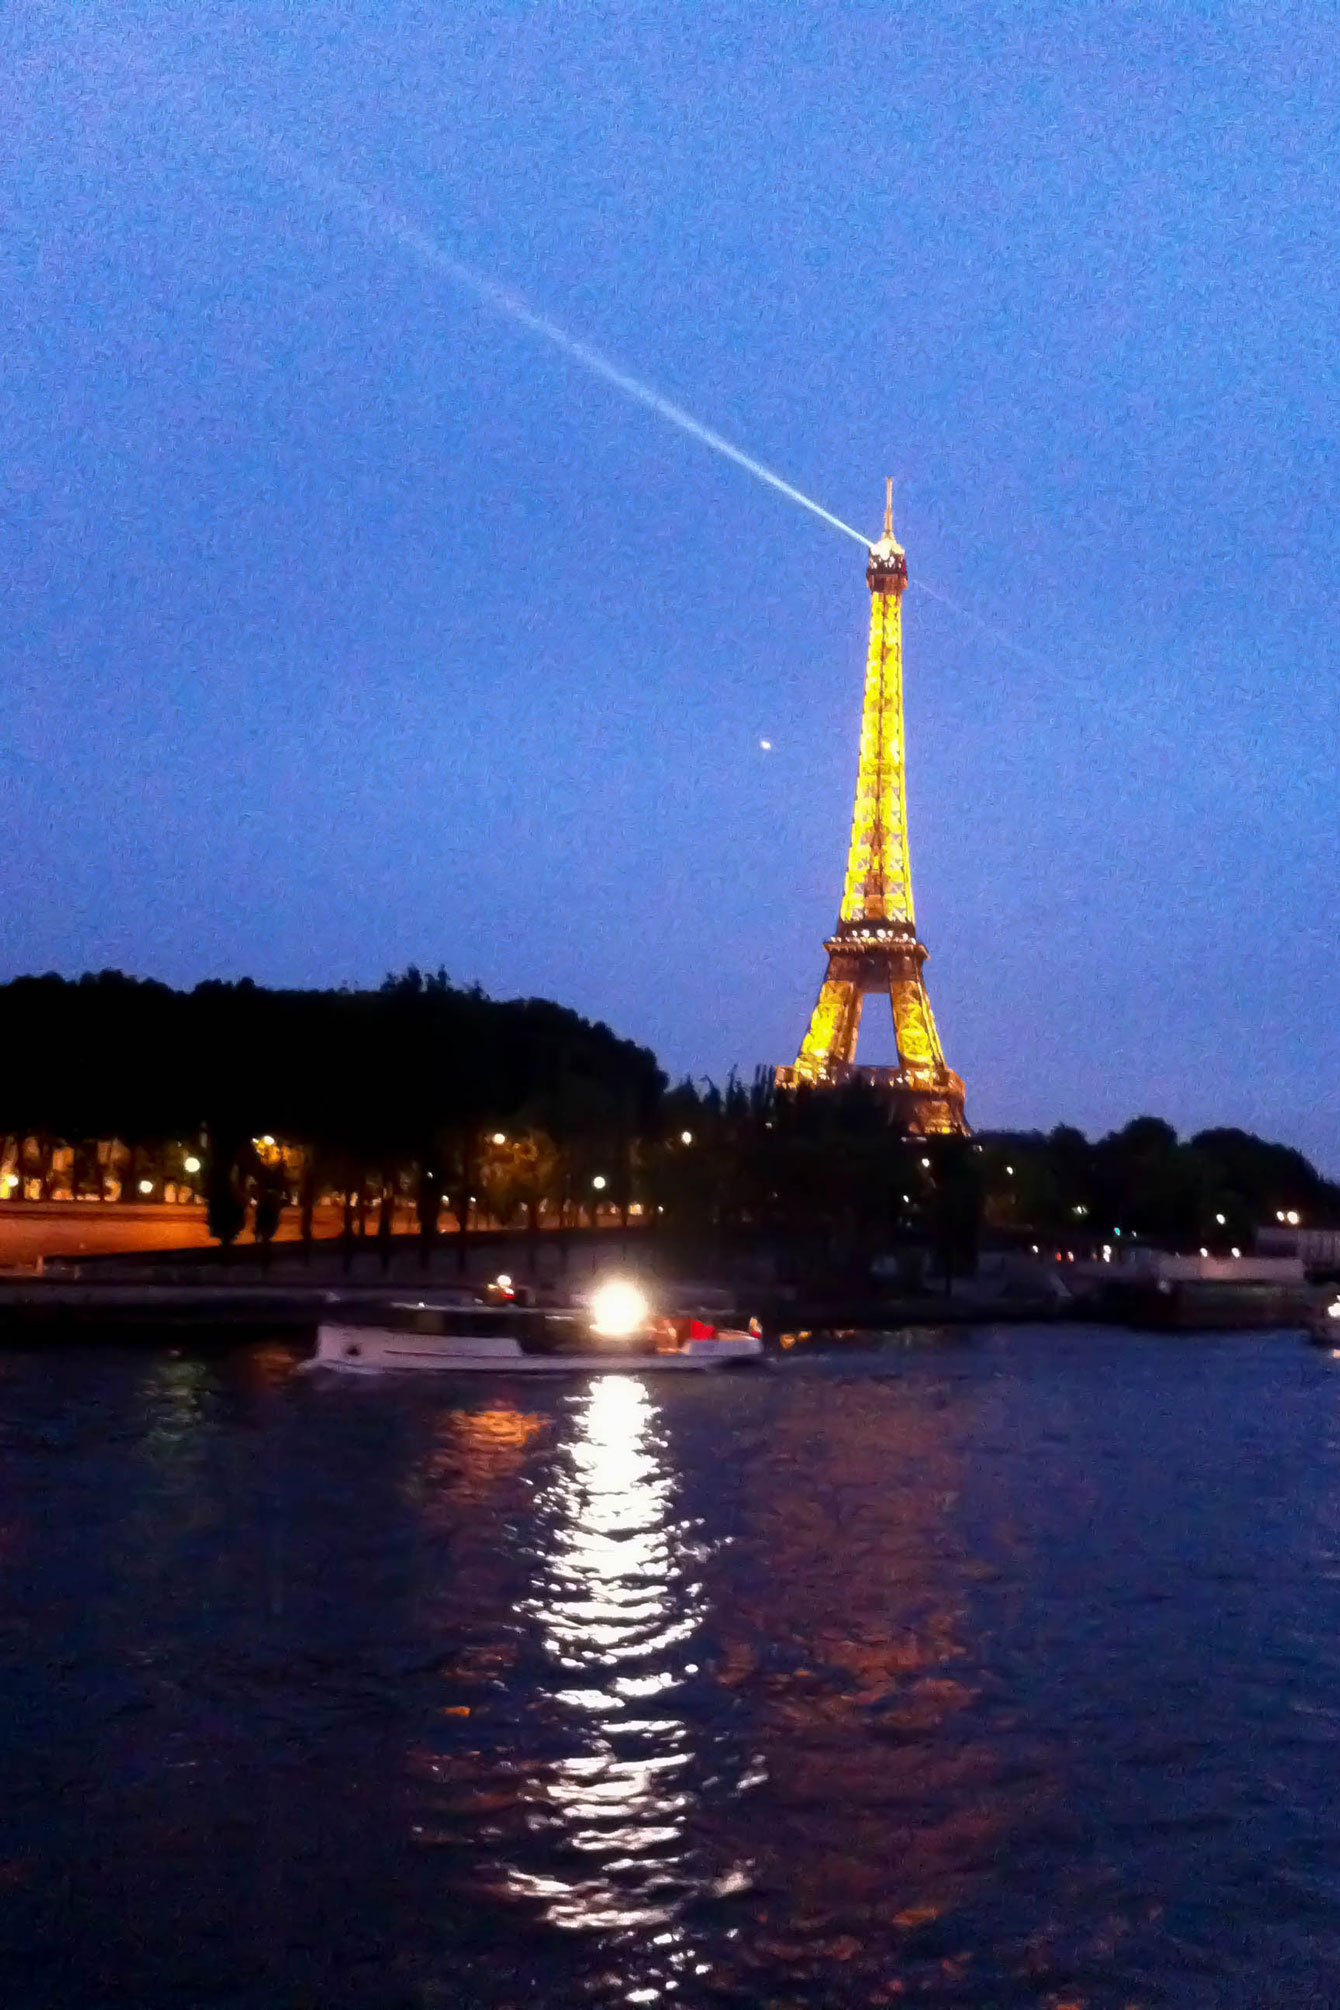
{"x": 36, "y": 1309}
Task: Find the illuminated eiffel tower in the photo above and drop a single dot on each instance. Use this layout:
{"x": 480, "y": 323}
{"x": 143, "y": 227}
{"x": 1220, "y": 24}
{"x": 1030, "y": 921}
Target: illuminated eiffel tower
{"x": 875, "y": 946}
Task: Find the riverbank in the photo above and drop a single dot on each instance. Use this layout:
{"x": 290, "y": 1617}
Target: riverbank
{"x": 291, "y": 1290}
{"x": 89, "y": 1307}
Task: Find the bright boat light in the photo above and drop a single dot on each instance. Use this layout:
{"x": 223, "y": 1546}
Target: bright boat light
{"x": 618, "y": 1308}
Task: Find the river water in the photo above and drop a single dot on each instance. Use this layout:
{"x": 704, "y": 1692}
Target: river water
{"x": 1001, "y": 1669}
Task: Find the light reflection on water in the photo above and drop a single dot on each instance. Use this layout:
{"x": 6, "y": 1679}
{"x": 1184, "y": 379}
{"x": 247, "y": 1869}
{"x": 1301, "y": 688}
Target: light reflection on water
{"x": 1002, "y": 1675}
{"x": 617, "y": 1603}
{"x": 565, "y": 1738}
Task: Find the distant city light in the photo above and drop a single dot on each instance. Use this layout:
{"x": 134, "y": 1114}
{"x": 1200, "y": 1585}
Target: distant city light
{"x": 500, "y": 1138}
{"x": 926, "y": 1164}
{"x": 192, "y": 1164}
{"x": 686, "y": 1137}
{"x": 146, "y": 1186}
{"x": 599, "y": 1182}
{"x": 1010, "y": 1171}
{"x": 1221, "y": 1219}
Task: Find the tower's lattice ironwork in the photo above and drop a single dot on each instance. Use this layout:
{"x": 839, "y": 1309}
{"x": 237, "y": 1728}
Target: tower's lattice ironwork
{"x": 874, "y": 947}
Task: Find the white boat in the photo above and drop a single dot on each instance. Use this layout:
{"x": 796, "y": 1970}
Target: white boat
{"x": 615, "y": 1332}
{"x": 375, "y": 1350}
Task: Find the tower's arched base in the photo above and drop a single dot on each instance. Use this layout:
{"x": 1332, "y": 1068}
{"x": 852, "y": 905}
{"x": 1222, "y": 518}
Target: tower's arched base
{"x": 864, "y": 958}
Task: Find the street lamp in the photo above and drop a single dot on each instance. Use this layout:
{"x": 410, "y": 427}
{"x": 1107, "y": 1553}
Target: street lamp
{"x": 500, "y": 1137}
{"x": 192, "y": 1164}
{"x": 686, "y": 1137}
{"x": 599, "y": 1182}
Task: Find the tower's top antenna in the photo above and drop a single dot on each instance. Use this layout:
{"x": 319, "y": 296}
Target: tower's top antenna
{"x": 887, "y": 570}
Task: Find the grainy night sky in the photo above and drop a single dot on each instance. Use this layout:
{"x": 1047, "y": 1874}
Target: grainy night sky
{"x": 349, "y": 625}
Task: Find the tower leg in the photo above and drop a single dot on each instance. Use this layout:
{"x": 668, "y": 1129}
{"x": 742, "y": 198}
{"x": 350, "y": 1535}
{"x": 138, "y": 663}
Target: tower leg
{"x": 918, "y": 1043}
{"x": 834, "y": 1025}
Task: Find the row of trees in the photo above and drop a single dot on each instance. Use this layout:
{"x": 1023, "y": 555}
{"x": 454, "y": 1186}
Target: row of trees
{"x": 825, "y": 1173}
{"x": 289, "y": 1096}
{"x": 426, "y": 1097}
{"x": 1211, "y": 1191}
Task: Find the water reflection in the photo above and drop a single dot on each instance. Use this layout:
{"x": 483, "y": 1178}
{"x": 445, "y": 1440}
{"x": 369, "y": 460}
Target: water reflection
{"x": 608, "y": 1597}
{"x": 474, "y": 1453}
{"x": 619, "y": 1603}
{"x": 848, "y": 1637}
{"x": 174, "y": 1397}
{"x": 966, "y": 1679}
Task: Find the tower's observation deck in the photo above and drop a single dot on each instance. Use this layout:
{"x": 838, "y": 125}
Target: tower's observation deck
{"x": 875, "y": 946}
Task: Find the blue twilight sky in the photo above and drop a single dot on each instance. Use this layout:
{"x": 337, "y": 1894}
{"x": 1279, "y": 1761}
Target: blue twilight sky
{"x": 348, "y": 625}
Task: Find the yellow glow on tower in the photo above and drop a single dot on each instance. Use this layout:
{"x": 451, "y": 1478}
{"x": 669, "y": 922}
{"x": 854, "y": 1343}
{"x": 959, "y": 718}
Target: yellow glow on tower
{"x": 875, "y": 947}
{"x": 878, "y": 885}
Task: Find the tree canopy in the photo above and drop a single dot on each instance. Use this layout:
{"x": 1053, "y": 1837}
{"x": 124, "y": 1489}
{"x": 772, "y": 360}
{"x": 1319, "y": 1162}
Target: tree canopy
{"x": 426, "y": 1091}
{"x": 371, "y": 1075}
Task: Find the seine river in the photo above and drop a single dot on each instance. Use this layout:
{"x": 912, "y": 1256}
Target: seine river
{"x": 994, "y": 1670}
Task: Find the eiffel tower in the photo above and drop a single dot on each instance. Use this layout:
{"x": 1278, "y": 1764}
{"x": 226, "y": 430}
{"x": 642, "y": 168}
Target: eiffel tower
{"x": 875, "y": 946}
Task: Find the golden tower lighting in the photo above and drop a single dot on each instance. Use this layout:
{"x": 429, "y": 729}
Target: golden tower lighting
{"x": 875, "y": 946}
